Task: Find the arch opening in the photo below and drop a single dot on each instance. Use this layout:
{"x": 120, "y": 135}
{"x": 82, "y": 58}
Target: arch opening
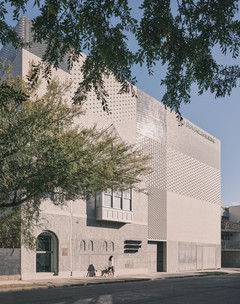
{"x": 47, "y": 253}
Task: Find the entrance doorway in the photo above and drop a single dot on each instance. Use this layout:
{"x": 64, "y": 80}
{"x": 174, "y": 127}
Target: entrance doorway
{"x": 160, "y": 256}
{"x": 156, "y": 256}
{"x": 47, "y": 253}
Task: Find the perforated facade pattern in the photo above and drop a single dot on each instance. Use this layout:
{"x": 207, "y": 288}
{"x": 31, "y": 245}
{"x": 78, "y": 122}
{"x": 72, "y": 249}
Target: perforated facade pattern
{"x": 122, "y": 106}
{"x": 157, "y": 214}
{"x": 156, "y": 182}
{"x": 157, "y": 152}
{"x": 190, "y": 177}
{"x": 151, "y": 138}
{"x": 191, "y": 140}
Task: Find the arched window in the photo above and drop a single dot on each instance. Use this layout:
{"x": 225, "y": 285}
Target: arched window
{"x": 90, "y": 246}
{"x": 105, "y": 246}
{"x": 47, "y": 252}
{"x": 82, "y": 245}
{"x": 111, "y": 246}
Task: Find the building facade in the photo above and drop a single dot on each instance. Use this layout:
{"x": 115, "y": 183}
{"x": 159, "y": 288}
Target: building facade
{"x": 184, "y": 190}
{"x": 230, "y": 235}
{"x": 175, "y": 227}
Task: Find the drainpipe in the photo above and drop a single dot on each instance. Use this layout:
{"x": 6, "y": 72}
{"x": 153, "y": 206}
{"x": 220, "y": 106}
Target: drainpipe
{"x": 71, "y": 240}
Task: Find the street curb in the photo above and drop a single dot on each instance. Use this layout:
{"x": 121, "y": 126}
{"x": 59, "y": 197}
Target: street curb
{"x": 15, "y": 287}
{"x": 22, "y": 287}
{"x": 195, "y": 275}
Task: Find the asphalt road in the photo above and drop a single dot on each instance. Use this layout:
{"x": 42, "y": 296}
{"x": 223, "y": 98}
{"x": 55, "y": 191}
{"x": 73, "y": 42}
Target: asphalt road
{"x": 223, "y": 289}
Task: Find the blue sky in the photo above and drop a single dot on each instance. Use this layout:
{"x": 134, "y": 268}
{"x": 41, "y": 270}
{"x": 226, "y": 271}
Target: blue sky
{"x": 220, "y": 117}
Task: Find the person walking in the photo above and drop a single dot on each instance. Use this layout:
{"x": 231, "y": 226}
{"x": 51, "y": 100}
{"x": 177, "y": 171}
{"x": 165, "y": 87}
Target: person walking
{"x": 111, "y": 265}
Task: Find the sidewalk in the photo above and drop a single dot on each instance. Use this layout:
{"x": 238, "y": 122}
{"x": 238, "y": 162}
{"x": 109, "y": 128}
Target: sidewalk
{"x": 56, "y": 282}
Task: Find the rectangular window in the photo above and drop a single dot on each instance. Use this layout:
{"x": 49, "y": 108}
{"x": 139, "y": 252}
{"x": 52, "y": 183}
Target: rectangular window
{"x": 127, "y": 205}
{"x": 107, "y": 200}
{"x": 117, "y": 202}
{"x": 127, "y": 194}
{"x": 121, "y": 200}
{"x": 127, "y": 200}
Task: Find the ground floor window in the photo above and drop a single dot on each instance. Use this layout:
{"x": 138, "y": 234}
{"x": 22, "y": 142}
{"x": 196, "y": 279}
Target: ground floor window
{"x": 47, "y": 253}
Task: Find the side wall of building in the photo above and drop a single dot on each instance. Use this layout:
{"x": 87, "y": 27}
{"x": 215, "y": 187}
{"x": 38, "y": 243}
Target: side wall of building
{"x": 184, "y": 190}
{"x": 193, "y": 197}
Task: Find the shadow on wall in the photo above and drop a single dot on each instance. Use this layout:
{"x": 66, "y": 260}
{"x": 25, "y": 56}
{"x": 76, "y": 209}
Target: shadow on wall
{"x": 91, "y": 271}
{"x": 91, "y": 217}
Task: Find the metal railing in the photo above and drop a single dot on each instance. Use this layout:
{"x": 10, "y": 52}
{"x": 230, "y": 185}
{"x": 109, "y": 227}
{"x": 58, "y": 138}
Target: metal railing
{"x": 231, "y": 245}
{"x": 230, "y": 226}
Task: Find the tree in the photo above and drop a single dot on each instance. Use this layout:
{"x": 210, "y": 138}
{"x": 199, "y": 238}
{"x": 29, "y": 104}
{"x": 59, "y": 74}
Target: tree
{"x": 182, "y": 34}
{"x": 43, "y": 154}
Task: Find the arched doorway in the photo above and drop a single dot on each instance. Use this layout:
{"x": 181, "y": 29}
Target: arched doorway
{"x": 47, "y": 253}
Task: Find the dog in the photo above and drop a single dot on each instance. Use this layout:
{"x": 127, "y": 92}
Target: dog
{"x": 105, "y": 272}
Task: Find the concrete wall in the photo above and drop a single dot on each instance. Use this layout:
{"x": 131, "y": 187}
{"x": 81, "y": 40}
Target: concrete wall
{"x": 234, "y": 213}
{"x": 77, "y": 223}
{"x": 194, "y": 256}
{"x": 10, "y": 263}
{"x": 191, "y": 220}
{"x": 193, "y": 197}
{"x": 231, "y": 259}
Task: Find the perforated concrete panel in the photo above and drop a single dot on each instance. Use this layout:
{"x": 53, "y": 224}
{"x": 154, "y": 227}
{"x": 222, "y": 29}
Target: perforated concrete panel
{"x": 122, "y": 106}
{"x": 151, "y": 138}
{"x": 157, "y": 152}
{"x": 191, "y": 140}
{"x": 157, "y": 219}
{"x": 192, "y": 178}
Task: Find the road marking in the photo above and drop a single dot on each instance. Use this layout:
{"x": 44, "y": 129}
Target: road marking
{"x": 105, "y": 299}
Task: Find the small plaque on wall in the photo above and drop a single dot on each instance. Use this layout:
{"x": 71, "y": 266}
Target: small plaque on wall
{"x": 64, "y": 251}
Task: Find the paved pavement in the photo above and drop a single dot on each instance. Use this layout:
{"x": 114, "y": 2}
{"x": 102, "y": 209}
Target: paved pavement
{"x": 56, "y": 282}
